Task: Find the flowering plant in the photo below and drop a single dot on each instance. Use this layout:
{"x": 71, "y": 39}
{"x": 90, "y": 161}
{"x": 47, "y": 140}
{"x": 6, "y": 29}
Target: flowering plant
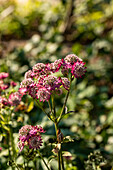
{"x": 42, "y": 84}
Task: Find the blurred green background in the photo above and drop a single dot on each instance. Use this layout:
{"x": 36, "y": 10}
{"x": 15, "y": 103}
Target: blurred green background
{"x": 34, "y": 31}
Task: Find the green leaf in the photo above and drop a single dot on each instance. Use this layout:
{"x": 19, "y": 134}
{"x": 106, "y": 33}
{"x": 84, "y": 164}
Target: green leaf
{"x": 51, "y": 158}
{"x": 68, "y": 139}
{"x": 30, "y": 107}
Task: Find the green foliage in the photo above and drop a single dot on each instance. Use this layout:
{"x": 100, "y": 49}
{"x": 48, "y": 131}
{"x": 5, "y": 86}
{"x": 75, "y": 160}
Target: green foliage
{"x": 89, "y": 34}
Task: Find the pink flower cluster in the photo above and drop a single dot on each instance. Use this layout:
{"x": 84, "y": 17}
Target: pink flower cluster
{"x": 30, "y": 136}
{"x": 8, "y": 100}
{"x": 4, "y": 75}
{"x": 75, "y": 65}
{"x": 13, "y": 100}
{"x": 40, "y": 82}
{"x": 3, "y": 86}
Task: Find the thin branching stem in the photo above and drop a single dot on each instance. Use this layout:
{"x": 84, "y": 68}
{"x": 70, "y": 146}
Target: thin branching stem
{"x": 43, "y": 160}
{"x": 53, "y": 105}
{"x": 64, "y": 105}
{"x": 43, "y": 110}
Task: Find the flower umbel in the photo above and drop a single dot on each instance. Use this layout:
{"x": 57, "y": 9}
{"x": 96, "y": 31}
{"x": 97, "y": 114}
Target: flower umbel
{"x": 30, "y": 136}
{"x": 40, "y": 82}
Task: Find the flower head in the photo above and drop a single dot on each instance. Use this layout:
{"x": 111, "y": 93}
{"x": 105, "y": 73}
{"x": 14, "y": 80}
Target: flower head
{"x": 26, "y": 83}
{"x": 4, "y": 75}
{"x": 4, "y": 101}
{"x": 43, "y": 94}
{"x": 25, "y": 130}
{"x": 78, "y": 69}
{"x": 35, "y": 142}
{"x": 54, "y": 67}
{"x": 30, "y": 136}
{"x": 40, "y": 69}
{"x": 71, "y": 59}
{"x": 3, "y": 86}
{"x": 14, "y": 99}
{"x": 13, "y": 84}
{"x": 65, "y": 82}
{"x": 28, "y": 74}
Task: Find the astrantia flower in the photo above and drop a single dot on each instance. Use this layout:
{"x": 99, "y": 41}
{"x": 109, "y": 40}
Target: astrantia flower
{"x": 65, "y": 82}
{"x": 35, "y": 142}
{"x": 25, "y": 130}
{"x": 29, "y": 74}
{"x": 26, "y": 83}
{"x": 51, "y": 82}
{"x": 30, "y": 136}
{"x": 40, "y": 82}
{"x": 4, "y": 75}
{"x": 54, "y": 67}
{"x": 22, "y": 91}
{"x": 43, "y": 94}
{"x": 71, "y": 59}
{"x": 73, "y": 64}
{"x": 78, "y": 69}
{"x": 3, "y": 86}
{"x": 20, "y": 145}
{"x": 40, "y": 69}
{"x": 14, "y": 99}
{"x": 13, "y": 84}
{"x": 4, "y": 101}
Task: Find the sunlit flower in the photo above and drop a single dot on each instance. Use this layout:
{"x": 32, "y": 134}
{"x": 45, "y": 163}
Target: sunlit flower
{"x": 25, "y": 130}
{"x": 4, "y": 101}
{"x": 28, "y": 74}
{"x": 78, "y": 69}
{"x": 40, "y": 69}
{"x": 14, "y": 99}
{"x": 13, "y": 84}
{"x": 20, "y": 145}
{"x": 30, "y": 136}
{"x": 43, "y": 94}
{"x": 3, "y": 86}
{"x": 35, "y": 142}
{"x": 4, "y": 75}
{"x": 65, "y": 82}
{"x": 71, "y": 59}
{"x": 26, "y": 83}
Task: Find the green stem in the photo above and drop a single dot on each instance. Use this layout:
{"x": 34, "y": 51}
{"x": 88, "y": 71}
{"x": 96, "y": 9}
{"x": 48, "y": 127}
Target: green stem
{"x": 94, "y": 166}
{"x": 12, "y": 143}
{"x": 43, "y": 110}
{"x": 11, "y": 139}
{"x": 59, "y": 165}
{"x": 67, "y": 95}
{"x": 62, "y": 162}
{"x": 53, "y": 105}
{"x": 43, "y": 160}
{"x": 50, "y": 105}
